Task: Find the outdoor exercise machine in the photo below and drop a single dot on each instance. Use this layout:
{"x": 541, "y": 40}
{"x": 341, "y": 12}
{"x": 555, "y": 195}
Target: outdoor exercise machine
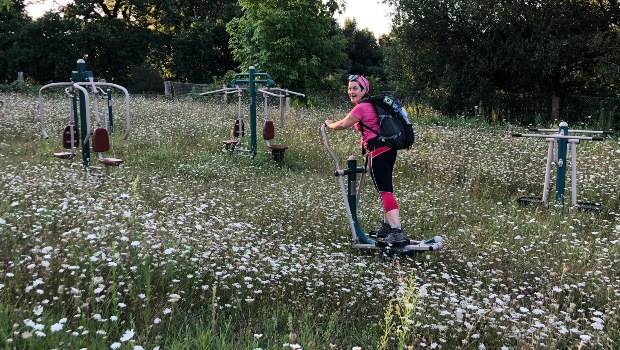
{"x": 238, "y": 131}
{"x": 251, "y": 79}
{"x": 351, "y": 194}
{"x": 80, "y": 116}
{"x": 269, "y": 133}
{"x": 557, "y": 153}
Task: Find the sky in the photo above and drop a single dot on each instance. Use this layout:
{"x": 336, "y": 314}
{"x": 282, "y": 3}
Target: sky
{"x": 37, "y": 10}
{"x": 369, "y": 14}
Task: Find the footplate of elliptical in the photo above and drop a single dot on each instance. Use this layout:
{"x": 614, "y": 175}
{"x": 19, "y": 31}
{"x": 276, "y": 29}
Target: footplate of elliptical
{"x": 432, "y": 244}
{"x": 530, "y": 200}
{"x": 589, "y": 207}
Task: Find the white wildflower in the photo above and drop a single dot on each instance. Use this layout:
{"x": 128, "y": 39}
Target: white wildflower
{"x": 128, "y": 335}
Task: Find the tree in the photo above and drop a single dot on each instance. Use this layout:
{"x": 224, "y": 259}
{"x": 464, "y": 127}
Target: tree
{"x": 365, "y": 55}
{"x": 199, "y": 63}
{"x": 50, "y": 46}
{"x": 464, "y": 51}
{"x": 184, "y": 39}
{"x": 12, "y": 18}
{"x": 296, "y": 41}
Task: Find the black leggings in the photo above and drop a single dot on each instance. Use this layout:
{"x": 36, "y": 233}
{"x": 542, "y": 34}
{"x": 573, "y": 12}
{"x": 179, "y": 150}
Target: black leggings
{"x": 382, "y": 162}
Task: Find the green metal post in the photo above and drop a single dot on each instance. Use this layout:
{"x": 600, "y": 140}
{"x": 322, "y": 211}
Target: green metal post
{"x": 351, "y": 172}
{"x": 252, "y": 81}
{"x": 560, "y": 184}
{"x": 81, "y": 75}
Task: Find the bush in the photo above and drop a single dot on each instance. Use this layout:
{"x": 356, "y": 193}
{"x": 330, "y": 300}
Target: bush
{"x": 146, "y": 78}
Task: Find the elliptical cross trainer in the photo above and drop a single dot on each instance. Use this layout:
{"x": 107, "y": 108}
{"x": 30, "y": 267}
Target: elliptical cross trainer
{"x": 351, "y": 195}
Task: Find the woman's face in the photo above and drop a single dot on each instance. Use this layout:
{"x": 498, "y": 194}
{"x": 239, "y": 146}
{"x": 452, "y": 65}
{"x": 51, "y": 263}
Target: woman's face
{"x": 355, "y": 92}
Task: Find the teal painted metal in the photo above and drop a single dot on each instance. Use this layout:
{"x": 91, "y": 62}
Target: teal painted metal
{"x": 108, "y": 95}
{"x": 250, "y": 79}
{"x": 82, "y": 75}
{"x": 560, "y": 184}
{"x": 351, "y": 172}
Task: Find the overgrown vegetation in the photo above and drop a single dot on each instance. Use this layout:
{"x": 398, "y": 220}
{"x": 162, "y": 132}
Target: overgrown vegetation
{"x": 185, "y": 246}
{"x": 463, "y": 57}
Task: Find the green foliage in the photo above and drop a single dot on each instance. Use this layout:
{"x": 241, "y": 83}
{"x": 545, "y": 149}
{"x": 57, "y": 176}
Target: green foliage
{"x": 199, "y": 63}
{"x": 364, "y": 53}
{"x": 5, "y": 5}
{"x": 460, "y": 52}
{"x": 12, "y": 19}
{"x": 18, "y": 86}
{"x": 185, "y": 41}
{"x": 146, "y": 78}
{"x": 296, "y": 42}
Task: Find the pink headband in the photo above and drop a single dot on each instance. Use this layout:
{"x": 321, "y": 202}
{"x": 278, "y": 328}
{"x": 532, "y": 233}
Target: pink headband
{"x": 362, "y": 81}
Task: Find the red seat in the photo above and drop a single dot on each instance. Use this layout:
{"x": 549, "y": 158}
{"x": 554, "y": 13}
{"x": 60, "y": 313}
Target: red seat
{"x": 238, "y": 132}
{"x": 101, "y": 140}
{"x": 68, "y": 143}
{"x": 111, "y": 161}
{"x": 101, "y": 143}
{"x": 269, "y": 133}
{"x": 64, "y": 155}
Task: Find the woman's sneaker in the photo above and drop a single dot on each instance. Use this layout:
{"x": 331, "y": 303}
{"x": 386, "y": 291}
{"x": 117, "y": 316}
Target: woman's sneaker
{"x": 381, "y": 232}
{"x": 396, "y": 238}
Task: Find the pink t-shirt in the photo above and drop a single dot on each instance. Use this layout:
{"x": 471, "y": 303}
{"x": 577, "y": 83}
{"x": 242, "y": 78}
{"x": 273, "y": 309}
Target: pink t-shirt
{"x": 367, "y": 114}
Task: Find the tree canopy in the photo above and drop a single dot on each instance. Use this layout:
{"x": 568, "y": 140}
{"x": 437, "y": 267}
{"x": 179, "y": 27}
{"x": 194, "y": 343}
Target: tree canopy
{"x": 464, "y": 51}
{"x": 296, "y": 41}
{"x": 455, "y": 54}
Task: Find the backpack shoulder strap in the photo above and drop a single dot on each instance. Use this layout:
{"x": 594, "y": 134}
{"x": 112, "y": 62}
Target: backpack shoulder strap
{"x": 362, "y": 125}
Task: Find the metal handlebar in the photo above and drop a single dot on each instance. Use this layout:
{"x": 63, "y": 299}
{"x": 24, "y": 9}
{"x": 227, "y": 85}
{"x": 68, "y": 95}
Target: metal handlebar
{"x": 127, "y": 104}
{"x": 340, "y": 174}
{"x": 224, "y": 91}
{"x": 604, "y": 132}
{"x": 266, "y": 92}
{"x": 87, "y": 103}
{"x": 329, "y": 150}
{"x": 42, "y": 109}
{"x": 558, "y": 136}
{"x": 288, "y": 92}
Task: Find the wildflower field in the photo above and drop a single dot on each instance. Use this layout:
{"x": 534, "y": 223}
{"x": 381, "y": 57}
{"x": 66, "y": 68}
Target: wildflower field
{"x": 185, "y": 246}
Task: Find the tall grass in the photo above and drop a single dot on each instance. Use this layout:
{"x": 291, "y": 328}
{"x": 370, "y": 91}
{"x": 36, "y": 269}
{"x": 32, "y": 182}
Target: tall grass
{"x": 188, "y": 247}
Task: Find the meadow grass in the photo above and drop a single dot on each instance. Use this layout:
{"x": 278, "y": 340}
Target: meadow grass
{"x": 189, "y": 247}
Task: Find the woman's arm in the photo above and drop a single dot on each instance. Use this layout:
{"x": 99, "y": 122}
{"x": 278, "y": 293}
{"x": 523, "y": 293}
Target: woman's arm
{"x": 342, "y": 124}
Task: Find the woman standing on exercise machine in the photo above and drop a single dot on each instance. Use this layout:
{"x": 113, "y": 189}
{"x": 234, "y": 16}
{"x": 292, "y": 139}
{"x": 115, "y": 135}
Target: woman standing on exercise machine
{"x": 379, "y": 157}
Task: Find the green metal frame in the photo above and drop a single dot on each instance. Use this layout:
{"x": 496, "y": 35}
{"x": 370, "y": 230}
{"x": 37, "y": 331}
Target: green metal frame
{"x": 82, "y": 75}
{"x": 560, "y": 183}
{"x": 250, "y": 79}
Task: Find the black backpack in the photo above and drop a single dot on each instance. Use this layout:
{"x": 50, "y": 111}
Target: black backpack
{"x": 395, "y": 129}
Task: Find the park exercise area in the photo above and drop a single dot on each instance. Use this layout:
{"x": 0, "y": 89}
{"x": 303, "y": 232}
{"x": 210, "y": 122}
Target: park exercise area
{"x": 249, "y": 253}
{"x": 79, "y": 116}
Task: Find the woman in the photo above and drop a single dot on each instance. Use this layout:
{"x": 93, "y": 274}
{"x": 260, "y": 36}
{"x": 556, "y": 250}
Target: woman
{"x": 380, "y": 159}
